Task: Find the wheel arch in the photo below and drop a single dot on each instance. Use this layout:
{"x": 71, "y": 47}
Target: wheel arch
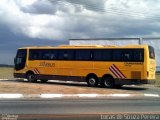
{"x": 111, "y": 84}
{"x": 107, "y": 75}
{"x": 91, "y": 74}
{"x": 92, "y": 80}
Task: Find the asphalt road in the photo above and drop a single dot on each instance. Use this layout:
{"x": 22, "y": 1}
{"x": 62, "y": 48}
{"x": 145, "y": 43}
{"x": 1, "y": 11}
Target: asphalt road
{"x": 83, "y": 106}
{"x": 81, "y": 109}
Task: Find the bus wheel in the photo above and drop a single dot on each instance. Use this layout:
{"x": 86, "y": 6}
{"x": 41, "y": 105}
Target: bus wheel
{"x": 108, "y": 82}
{"x": 44, "y": 81}
{"x": 92, "y": 81}
{"x": 31, "y": 77}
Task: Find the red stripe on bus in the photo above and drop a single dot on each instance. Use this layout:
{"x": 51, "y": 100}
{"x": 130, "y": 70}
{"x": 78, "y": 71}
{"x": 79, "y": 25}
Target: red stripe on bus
{"x": 112, "y": 70}
{"x": 116, "y": 71}
{"x": 37, "y": 71}
{"x": 119, "y": 71}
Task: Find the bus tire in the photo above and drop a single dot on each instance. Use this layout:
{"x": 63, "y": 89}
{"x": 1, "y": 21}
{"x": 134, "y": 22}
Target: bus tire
{"x": 92, "y": 80}
{"x": 31, "y": 77}
{"x": 108, "y": 82}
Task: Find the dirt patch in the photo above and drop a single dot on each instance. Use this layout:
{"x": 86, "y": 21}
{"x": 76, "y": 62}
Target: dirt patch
{"x": 58, "y": 88}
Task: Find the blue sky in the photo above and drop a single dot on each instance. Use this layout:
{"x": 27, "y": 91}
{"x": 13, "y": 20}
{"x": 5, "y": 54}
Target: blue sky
{"x": 53, "y": 22}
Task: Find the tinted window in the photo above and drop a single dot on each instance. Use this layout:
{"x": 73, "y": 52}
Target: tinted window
{"x": 35, "y": 54}
{"x": 83, "y": 55}
{"x": 117, "y": 55}
{"x": 151, "y": 52}
{"x": 21, "y": 56}
{"x": 20, "y": 59}
{"x": 40, "y": 54}
{"x": 128, "y": 55}
{"x": 45, "y": 54}
{"x": 104, "y": 55}
{"x": 49, "y": 54}
{"x": 21, "y": 53}
{"x": 65, "y": 54}
{"x": 53, "y": 54}
{"x": 139, "y": 55}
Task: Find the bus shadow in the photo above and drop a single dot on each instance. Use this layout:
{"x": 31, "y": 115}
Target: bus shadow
{"x": 128, "y": 87}
{"x": 67, "y": 84}
{"x": 52, "y": 82}
{"x": 135, "y": 88}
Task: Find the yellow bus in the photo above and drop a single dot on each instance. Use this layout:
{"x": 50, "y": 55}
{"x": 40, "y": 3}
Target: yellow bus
{"x": 109, "y": 66}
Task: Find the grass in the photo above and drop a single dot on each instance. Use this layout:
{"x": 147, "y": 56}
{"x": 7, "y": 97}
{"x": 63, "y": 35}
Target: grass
{"x": 157, "y": 80}
{"x": 6, "y": 72}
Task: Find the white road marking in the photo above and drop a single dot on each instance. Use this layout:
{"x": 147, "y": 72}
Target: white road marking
{"x": 151, "y": 95}
{"x": 11, "y": 96}
{"x": 3, "y": 96}
{"x": 51, "y": 95}
{"x": 87, "y": 95}
{"x": 119, "y": 95}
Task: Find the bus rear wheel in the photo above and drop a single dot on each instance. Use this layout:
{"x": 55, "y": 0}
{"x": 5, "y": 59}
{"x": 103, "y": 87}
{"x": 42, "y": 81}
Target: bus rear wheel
{"x": 108, "y": 82}
{"x": 92, "y": 81}
{"x": 31, "y": 77}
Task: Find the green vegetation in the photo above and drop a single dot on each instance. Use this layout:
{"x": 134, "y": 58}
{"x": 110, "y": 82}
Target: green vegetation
{"x": 6, "y": 72}
{"x": 157, "y": 80}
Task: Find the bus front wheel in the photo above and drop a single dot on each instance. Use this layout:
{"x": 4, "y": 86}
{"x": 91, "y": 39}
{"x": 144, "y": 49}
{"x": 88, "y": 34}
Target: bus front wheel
{"x": 92, "y": 81}
{"x": 108, "y": 82}
{"x": 31, "y": 77}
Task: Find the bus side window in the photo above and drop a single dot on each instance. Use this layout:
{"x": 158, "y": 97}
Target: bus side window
{"x": 139, "y": 55}
{"x": 151, "y": 52}
{"x": 117, "y": 55}
{"x": 66, "y": 55}
{"x": 128, "y": 55}
{"x": 83, "y": 54}
{"x": 102, "y": 55}
{"x": 53, "y": 55}
{"x": 45, "y": 55}
{"x": 34, "y": 55}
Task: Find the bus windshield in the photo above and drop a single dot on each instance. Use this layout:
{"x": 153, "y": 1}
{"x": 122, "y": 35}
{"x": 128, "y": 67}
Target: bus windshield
{"x": 20, "y": 59}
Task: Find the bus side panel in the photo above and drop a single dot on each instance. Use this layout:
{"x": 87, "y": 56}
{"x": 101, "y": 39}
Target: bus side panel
{"x": 120, "y": 70}
{"x": 82, "y": 68}
{"x": 64, "y": 68}
{"x": 41, "y": 67}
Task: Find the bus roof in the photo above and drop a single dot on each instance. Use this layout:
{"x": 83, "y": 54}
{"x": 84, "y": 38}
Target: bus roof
{"x": 83, "y": 46}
